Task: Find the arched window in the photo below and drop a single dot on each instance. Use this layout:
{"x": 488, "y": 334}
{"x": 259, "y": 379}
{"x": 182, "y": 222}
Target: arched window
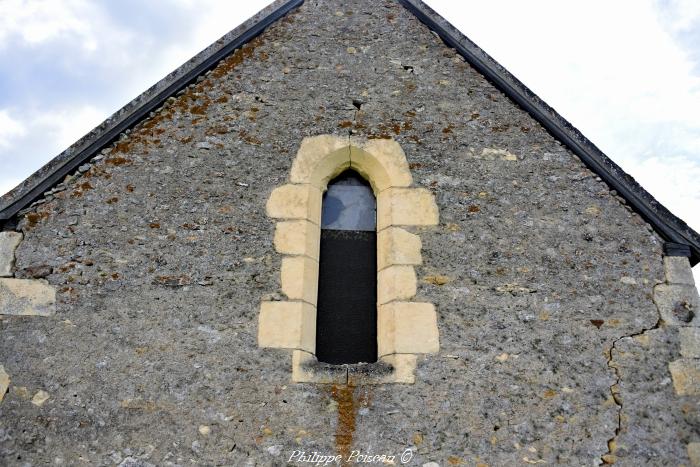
{"x": 346, "y": 320}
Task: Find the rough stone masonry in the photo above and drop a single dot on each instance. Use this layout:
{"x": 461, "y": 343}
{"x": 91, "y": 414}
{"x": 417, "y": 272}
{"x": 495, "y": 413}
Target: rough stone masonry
{"x": 563, "y": 340}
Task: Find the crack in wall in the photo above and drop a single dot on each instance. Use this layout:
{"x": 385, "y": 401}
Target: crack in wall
{"x": 609, "y": 456}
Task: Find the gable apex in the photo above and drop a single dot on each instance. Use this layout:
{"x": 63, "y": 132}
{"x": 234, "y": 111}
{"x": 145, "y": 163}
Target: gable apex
{"x": 682, "y": 240}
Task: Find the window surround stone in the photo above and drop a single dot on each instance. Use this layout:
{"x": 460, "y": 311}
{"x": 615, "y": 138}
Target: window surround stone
{"x": 405, "y": 329}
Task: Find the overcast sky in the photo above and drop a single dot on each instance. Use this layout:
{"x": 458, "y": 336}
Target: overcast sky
{"x": 626, "y": 72}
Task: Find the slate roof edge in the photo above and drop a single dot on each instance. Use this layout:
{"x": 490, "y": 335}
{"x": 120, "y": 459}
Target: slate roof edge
{"x": 138, "y": 109}
{"x": 670, "y": 227}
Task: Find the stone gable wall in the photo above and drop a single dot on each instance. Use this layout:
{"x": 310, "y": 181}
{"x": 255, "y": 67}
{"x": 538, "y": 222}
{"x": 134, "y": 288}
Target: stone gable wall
{"x": 160, "y": 252}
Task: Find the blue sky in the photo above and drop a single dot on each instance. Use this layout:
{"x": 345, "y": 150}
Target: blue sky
{"x": 626, "y": 73}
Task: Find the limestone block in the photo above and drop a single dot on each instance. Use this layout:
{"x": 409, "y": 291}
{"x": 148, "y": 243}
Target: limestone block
{"x": 678, "y": 271}
{"x": 319, "y": 159}
{"x": 306, "y": 369}
{"x": 396, "y": 246}
{"x": 694, "y": 453}
{"x": 685, "y": 374}
{"x": 690, "y": 342}
{"x": 404, "y": 368}
{"x": 396, "y": 283}
{"x": 677, "y": 304}
{"x": 4, "y": 382}
{"x": 287, "y": 325}
{"x": 298, "y": 238}
{"x": 8, "y": 245}
{"x": 295, "y": 202}
{"x": 407, "y": 327}
{"x": 300, "y": 278}
{"x": 381, "y": 161}
{"x": 406, "y": 206}
{"x": 27, "y": 297}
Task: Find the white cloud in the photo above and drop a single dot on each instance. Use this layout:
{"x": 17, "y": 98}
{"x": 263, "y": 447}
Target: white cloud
{"x": 10, "y": 129}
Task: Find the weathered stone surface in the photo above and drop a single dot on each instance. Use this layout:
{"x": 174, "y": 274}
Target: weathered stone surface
{"x": 299, "y": 277}
{"x": 396, "y": 246}
{"x": 678, "y": 271}
{"x": 407, "y": 328}
{"x": 319, "y": 159}
{"x": 690, "y": 342}
{"x": 287, "y": 325}
{"x": 8, "y": 244}
{"x": 381, "y": 161}
{"x": 295, "y": 202}
{"x": 694, "y": 453}
{"x": 190, "y": 354}
{"x": 4, "y": 382}
{"x": 652, "y": 414}
{"x": 396, "y": 283}
{"x": 678, "y": 304}
{"x": 406, "y": 206}
{"x": 298, "y": 238}
{"x": 27, "y": 297}
{"x": 40, "y": 397}
{"x": 685, "y": 373}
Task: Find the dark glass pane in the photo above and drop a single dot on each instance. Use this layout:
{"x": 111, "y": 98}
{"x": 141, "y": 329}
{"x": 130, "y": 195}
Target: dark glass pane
{"x": 346, "y": 323}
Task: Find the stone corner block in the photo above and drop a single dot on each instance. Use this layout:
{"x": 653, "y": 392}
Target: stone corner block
{"x": 396, "y": 246}
{"x": 677, "y": 270}
{"x": 678, "y": 304}
{"x": 406, "y": 206}
{"x": 404, "y": 368}
{"x": 298, "y": 238}
{"x": 287, "y": 325}
{"x": 396, "y": 283}
{"x": 685, "y": 374}
{"x": 407, "y": 328}
{"x": 4, "y": 382}
{"x": 299, "y": 277}
{"x": 9, "y": 241}
{"x": 319, "y": 159}
{"x": 690, "y": 342}
{"x": 295, "y": 202}
{"x": 307, "y": 369}
{"x": 381, "y": 161}
{"x": 694, "y": 453}
{"x": 27, "y": 297}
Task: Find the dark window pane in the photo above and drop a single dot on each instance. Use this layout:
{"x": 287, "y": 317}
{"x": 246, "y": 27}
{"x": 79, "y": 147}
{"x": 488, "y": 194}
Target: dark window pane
{"x": 346, "y": 323}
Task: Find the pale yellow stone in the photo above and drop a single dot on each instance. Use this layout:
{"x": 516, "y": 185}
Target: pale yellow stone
{"x": 298, "y": 238}
{"x": 381, "y": 161}
{"x": 502, "y": 357}
{"x": 396, "y": 246}
{"x": 204, "y": 430}
{"x": 4, "y": 382}
{"x": 685, "y": 374}
{"x": 694, "y": 453}
{"x": 40, "y": 397}
{"x": 9, "y": 241}
{"x": 319, "y": 159}
{"x": 300, "y": 278}
{"x": 295, "y": 202}
{"x": 28, "y": 297}
{"x": 396, "y": 283}
{"x": 305, "y": 369}
{"x": 287, "y": 325}
{"x": 492, "y": 154}
{"x": 407, "y": 327}
{"x": 406, "y": 206}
